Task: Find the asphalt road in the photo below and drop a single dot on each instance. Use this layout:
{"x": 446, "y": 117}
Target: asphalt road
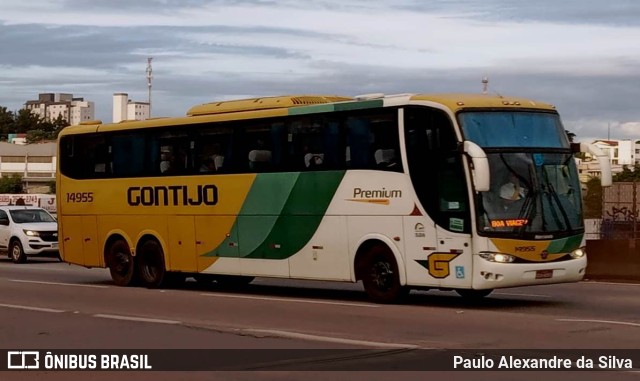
{"x": 45, "y": 304}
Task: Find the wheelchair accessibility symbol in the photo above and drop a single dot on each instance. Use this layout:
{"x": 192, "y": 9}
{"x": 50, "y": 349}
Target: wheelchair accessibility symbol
{"x": 460, "y": 272}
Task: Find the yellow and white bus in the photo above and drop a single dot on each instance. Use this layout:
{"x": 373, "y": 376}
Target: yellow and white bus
{"x": 466, "y": 192}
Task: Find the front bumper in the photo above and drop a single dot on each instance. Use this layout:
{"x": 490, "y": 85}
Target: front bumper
{"x": 490, "y": 275}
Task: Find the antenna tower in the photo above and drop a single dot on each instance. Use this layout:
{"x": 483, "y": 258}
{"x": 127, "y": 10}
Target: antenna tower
{"x": 485, "y": 84}
{"x": 149, "y": 78}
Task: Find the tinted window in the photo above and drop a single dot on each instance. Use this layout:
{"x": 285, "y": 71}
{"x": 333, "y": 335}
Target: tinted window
{"x": 335, "y": 141}
{"x": 435, "y": 166}
{"x": 514, "y": 129}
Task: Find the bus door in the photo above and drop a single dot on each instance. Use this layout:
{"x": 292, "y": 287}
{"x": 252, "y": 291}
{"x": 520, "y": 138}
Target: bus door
{"x": 439, "y": 181}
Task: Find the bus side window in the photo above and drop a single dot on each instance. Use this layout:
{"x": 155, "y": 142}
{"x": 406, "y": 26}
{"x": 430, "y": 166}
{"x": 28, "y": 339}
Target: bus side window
{"x": 359, "y": 131}
{"x": 260, "y": 160}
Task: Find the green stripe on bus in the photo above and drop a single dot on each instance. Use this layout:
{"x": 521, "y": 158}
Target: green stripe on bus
{"x": 342, "y": 106}
{"x": 301, "y": 215}
{"x": 565, "y": 245}
{"x": 346, "y": 106}
{"x": 311, "y": 109}
{"x": 259, "y": 213}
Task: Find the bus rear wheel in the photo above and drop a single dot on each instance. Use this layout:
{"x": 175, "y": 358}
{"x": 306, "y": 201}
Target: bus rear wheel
{"x": 470, "y": 294}
{"x": 151, "y": 269}
{"x": 378, "y": 270}
{"x": 121, "y": 264}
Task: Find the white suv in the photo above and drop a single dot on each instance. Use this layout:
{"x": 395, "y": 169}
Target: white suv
{"x": 27, "y": 230}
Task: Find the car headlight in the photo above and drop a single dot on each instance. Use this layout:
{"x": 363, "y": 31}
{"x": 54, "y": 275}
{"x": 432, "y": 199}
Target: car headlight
{"x": 31, "y": 233}
{"x": 497, "y": 257}
{"x": 578, "y": 253}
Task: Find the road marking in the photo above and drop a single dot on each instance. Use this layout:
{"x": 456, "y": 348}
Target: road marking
{"x": 601, "y": 322}
{"x": 517, "y": 294}
{"x": 39, "y": 309}
{"x": 57, "y": 283}
{"x": 329, "y": 339}
{"x": 138, "y": 319}
{"x": 613, "y": 283}
{"x": 31, "y": 267}
{"x": 290, "y": 300}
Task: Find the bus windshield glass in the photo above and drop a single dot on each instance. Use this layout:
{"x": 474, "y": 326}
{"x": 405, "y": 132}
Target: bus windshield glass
{"x": 502, "y": 129}
{"x": 535, "y": 189}
{"x": 532, "y": 193}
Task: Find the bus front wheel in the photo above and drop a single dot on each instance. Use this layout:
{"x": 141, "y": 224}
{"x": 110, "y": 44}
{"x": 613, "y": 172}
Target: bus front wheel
{"x": 151, "y": 267}
{"x": 120, "y": 263}
{"x": 378, "y": 270}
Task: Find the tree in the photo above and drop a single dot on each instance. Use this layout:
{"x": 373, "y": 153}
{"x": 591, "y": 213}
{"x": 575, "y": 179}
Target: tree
{"x": 26, "y": 121}
{"x": 628, "y": 174}
{"x": 593, "y": 199}
{"x": 7, "y": 122}
{"x": 570, "y": 135}
{"x": 11, "y": 184}
{"x": 52, "y": 187}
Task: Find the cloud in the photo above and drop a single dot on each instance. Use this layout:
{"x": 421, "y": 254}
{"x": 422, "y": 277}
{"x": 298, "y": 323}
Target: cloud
{"x": 580, "y": 56}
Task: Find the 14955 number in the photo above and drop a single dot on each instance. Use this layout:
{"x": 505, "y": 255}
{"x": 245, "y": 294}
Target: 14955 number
{"x": 80, "y": 197}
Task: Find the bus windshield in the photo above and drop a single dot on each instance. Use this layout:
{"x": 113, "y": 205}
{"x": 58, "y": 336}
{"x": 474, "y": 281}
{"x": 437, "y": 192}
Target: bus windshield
{"x": 535, "y": 193}
{"x": 535, "y": 189}
{"x": 514, "y": 129}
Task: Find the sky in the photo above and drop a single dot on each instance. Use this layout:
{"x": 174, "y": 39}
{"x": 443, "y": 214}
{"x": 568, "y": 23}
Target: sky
{"x": 581, "y": 55}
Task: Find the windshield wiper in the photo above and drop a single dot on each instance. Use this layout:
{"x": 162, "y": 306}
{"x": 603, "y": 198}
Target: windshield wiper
{"x": 556, "y": 198}
{"x": 529, "y": 206}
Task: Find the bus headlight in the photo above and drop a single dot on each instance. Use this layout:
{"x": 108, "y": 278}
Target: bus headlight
{"x": 31, "y": 233}
{"x": 578, "y": 253}
{"x": 497, "y": 257}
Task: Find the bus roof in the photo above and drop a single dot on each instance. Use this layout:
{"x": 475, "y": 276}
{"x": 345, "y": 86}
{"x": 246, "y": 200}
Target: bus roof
{"x": 263, "y": 107}
{"x": 457, "y": 102}
{"x": 264, "y": 103}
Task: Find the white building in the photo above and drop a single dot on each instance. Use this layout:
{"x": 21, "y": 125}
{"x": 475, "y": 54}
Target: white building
{"x": 621, "y": 153}
{"x": 49, "y": 106}
{"x": 126, "y": 109}
{"x": 36, "y": 163}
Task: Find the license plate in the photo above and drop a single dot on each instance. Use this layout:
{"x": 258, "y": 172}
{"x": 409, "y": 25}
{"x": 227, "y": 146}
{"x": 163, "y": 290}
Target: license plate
{"x": 544, "y": 274}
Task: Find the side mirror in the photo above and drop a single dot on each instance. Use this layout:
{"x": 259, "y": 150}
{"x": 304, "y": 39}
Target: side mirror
{"x": 480, "y": 170}
{"x": 603, "y": 159}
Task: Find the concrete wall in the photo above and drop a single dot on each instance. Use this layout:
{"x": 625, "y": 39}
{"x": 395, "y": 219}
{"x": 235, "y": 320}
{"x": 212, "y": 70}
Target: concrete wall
{"x": 613, "y": 259}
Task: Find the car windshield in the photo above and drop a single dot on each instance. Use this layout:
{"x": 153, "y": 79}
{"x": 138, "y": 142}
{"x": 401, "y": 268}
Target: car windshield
{"x": 24, "y": 216}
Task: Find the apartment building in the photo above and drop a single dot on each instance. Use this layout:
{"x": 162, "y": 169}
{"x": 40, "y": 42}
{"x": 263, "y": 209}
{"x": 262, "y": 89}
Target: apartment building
{"x": 51, "y": 105}
{"x": 126, "y": 109}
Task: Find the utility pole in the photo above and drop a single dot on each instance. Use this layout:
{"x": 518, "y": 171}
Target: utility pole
{"x": 149, "y": 77}
{"x": 485, "y": 84}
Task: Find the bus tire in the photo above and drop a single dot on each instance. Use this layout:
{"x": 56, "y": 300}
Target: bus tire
{"x": 233, "y": 281}
{"x": 121, "y": 264}
{"x": 473, "y": 295}
{"x": 17, "y": 252}
{"x": 378, "y": 270}
{"x": 150, "y": 262}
